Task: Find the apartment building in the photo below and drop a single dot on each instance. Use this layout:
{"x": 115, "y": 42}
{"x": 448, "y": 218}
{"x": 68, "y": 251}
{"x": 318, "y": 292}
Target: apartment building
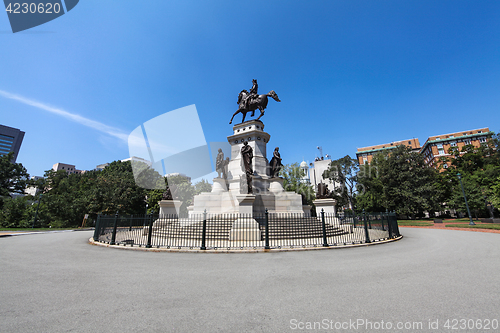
{"x": 365, "y": 154}
{"x": 69, "y": 168}
{"x": 437, "y": 147}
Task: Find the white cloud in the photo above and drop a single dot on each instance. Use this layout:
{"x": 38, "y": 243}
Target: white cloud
{"x": 73, "y": 117}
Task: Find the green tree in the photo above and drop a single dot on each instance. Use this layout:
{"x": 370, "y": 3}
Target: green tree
{"x": 370, "y": 188}
{"x": 182, "y": 189}
{"x": 399, "y": 180}
{"x": 13, "y": 176}
{"x": 202, "y": 186}
{"x": 16, "y": 213}
{"x": 480, "y": 170}
{"x": 117, "y": 191}
{"x": 409, "y": 183}
{"x": 495, "y": 193}
{"x": 293, "y": 181}
{"x": 345, "y": 172}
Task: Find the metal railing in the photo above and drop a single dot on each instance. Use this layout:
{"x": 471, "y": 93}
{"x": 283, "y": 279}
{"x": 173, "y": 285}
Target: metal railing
{"x": 238, "y": 231}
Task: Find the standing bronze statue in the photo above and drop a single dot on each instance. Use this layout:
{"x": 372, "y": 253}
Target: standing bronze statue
{"x": 225, "y": 171}
{"x": 247, "y": 156}
{"x": 219, "y": 163}
{"x": 322, "y": 192}
{"x": 275, "y": 164}
{"x": 251, "y": 101}
{"x": 167, "y": 195}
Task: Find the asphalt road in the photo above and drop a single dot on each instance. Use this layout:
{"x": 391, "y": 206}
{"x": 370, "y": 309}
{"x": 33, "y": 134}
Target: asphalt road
{"x": 56, "y": 282}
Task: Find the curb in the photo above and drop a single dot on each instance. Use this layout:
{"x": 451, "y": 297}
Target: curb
{"x": 21, "y": 233}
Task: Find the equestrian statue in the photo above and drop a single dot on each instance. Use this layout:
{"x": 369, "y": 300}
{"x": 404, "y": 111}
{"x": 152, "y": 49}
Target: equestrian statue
{"x": 251, "y": 101}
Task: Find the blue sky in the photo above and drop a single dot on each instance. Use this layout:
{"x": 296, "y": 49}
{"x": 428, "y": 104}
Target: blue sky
{"x": 349, "y": 73}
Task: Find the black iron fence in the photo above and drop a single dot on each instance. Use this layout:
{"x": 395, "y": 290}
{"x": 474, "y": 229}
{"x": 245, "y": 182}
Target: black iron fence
{"x": 238, "y": 231}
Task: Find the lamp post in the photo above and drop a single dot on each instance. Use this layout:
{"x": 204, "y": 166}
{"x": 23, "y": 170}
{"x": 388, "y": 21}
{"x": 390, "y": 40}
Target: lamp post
{"x": 36, "y": 212}
{"x": 465, "y": 198}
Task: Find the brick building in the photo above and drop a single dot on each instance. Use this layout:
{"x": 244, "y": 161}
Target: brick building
{"x": 437, "y": 147}
{"x": 365, "y": 155}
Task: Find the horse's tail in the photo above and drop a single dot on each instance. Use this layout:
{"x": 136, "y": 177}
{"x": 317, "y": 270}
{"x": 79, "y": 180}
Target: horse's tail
{"x": 273, "y": 94}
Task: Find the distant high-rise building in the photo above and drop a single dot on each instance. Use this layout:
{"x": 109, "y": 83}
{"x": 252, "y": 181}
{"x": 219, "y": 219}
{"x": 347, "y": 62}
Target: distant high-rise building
{"x": 10, "y": 141}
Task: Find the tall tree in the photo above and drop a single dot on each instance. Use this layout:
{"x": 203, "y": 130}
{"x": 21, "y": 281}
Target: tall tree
{"x": 345, "y": 172}
{"x": 13, "y": 176}
{"x": 480, "y": 170}
{"x": 370, "y": 187}
{"x": 400, "y": 180}
{"x": 293, "y": 181}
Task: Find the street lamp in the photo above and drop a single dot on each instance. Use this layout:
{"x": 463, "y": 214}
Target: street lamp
{"x": 36, "y": 213}
{"x": 466, "y": 204}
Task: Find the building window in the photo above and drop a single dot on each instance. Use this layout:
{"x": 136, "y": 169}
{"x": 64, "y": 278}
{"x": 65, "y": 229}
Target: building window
{"x": 445, "y": 166}
{"x": 480, "y": 131}
{"x": 453, "y": 144}
{"x": 467, "y": 142}
{"x": 440, "y": 149}
{"x": 482, "y": 140}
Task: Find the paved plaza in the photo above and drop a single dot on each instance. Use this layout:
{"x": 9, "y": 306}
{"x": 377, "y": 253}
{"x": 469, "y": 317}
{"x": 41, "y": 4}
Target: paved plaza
{"x": 57, "y": 282}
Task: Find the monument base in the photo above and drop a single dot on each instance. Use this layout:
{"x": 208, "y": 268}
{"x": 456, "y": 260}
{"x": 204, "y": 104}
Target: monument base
{"x": 169, "y": 207}
{"x": 328, "y": 206}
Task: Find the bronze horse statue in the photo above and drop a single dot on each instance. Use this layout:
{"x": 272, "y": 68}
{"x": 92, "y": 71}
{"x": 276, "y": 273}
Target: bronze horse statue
{"x": 259, "y": 102}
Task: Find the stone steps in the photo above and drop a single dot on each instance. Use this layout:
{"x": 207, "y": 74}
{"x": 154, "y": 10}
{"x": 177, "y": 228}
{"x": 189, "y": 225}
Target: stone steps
{"x": 297, "y": 228}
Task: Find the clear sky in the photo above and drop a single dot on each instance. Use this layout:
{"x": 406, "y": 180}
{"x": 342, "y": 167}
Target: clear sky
{"x": 349, "y": 73}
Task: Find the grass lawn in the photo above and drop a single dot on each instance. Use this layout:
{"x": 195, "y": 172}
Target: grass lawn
{"x": 415, "y": 223}
{"x": 477, "y": 226}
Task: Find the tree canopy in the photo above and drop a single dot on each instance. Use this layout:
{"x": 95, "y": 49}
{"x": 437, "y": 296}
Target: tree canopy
{"x": 66, "y": 198}
{"x": 345, "y": 172}
{"x": 13, "y": 176}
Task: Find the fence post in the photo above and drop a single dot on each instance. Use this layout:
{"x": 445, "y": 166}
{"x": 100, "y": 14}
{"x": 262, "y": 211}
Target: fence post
{"x": 150, "y": 231}
{"x": 354, "y": 219}
{"x": 267, "y": 247}
{"x": 389, "y": 225}
{"x": 97, "y": 228}
{"x": 115, "y": 224}
{"x": 395, "y": 224}
{"x": 204, "y": 231}
{"x": 367, "y": 235}
{"x": 325, "y": 243}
